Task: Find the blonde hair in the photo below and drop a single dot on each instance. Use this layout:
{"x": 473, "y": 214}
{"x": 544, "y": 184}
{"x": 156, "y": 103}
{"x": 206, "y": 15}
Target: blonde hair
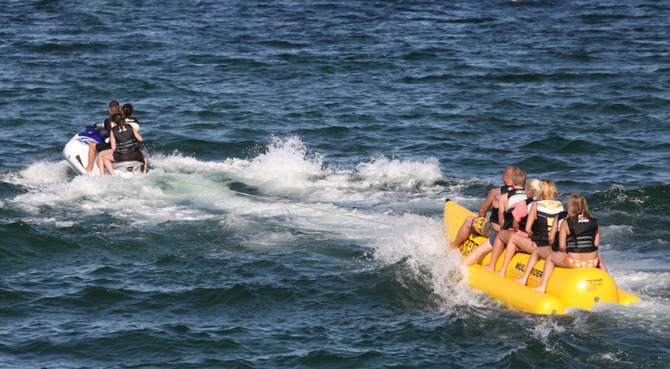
{"x": 535, "y": 186}
{"x": 549, "y": 190}
{"x": 577, "y": 206}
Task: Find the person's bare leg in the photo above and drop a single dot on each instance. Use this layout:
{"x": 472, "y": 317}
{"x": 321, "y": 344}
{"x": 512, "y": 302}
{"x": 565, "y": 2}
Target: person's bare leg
{"x": 546, "y": 273}
{"x": 100, "y": 164}
{"x": 108, "y": 164}
{"x": 146, "y": 161}
{"x": 91, "y": 157}
{"x": 555, "y": 259}
{"x": 463, "y": 233}
{"x": 498, "y": 247}
{"x": 524, "y": 243}
{"x": 477, "y": 253}
{"x": 105, "y": 159}
{"x": 510, "y": 251}
{"x": 540, "y": 252}
{"x": 532, "y": 261}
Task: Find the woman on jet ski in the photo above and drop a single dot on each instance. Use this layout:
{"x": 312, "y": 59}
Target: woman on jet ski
{"x": 125, "y": 147}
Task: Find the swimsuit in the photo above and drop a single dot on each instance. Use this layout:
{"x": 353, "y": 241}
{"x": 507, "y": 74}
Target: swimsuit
{"x": 482, "y": 227}
{"x": 593, "y": 263}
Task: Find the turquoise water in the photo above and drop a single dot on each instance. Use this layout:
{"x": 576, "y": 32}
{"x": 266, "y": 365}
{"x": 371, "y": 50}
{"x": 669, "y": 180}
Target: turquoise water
{"x": 351, "y": 122}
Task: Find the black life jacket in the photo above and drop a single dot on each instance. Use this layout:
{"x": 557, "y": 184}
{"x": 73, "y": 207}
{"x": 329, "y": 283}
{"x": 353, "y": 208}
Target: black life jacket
{"x": 546, "y": 212}
{"x": 494, "y": 210}
{"x": 108, "y": 124}
{"x": 582, "y": 235}
{"x": 125, "y": 139}
{"x": 561, "y": 218}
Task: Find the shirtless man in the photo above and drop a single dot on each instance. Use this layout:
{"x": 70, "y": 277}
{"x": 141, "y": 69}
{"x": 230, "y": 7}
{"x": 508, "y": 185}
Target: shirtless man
{"x": 486, "y": 246}
{"x": 485, "y": 227}
{"x": 93, "y": 147}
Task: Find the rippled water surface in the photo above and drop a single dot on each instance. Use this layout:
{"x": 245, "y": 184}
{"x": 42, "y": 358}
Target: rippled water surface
{"x": 301, "y": 153}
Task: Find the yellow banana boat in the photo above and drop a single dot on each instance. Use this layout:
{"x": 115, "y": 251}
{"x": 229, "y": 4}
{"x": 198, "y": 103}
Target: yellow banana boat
{"x": 582, "y": 287}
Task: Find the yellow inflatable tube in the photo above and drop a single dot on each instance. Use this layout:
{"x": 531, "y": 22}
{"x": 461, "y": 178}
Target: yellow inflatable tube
{"x": 583, "y": 287}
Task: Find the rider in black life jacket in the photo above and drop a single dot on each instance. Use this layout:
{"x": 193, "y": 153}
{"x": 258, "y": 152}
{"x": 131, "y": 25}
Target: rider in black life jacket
{"x": 128, "y": 111}
{"x": 125, "y": 146}
{"x": 480, "y": 225}
{"x": 579, "y": 238}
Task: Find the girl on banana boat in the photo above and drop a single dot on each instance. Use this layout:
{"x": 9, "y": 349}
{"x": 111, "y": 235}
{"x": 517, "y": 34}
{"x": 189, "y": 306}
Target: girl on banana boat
{"x": 542, "y": 214}
{"x": 545, "y": 217}
{"x": 578, "y": 240}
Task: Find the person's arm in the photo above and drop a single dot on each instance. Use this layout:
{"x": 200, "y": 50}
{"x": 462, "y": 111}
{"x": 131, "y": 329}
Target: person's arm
{"x": 112, "y": 140}
{"x": 137, "y": 135}
{"x": 487, "y": 203}
{"x": 562, "y": 236}
{"x": 554, "y": 230}
{"x": 596, "y": 238}
{"x": 502, "y": 207}
{"x": 532, "y": 215}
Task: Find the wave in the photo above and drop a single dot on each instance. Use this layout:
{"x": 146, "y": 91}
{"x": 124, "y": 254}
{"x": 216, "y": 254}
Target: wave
{"x": 651, "y": 200}
{"x": 184, "y": 188}
{"x": 389, "y": 205}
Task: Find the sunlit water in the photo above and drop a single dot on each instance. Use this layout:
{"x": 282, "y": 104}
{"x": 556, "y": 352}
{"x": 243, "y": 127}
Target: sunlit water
{"x": 300, "y": 158}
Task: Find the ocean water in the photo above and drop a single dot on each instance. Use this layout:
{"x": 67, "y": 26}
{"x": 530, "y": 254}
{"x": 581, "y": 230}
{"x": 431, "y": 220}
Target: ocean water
{"x": 300, "y": 155}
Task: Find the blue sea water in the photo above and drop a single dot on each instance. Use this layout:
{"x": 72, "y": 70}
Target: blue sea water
{"x": 350, "y": 122}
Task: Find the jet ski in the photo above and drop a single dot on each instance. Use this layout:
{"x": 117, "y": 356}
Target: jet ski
{"x": 76, "y": 151}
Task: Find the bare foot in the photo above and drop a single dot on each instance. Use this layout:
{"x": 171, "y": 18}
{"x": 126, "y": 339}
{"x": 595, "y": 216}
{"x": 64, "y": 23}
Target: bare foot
{"x": 489, "y": 267}
{"x": 457, "y": 277}
{"x": 501, "y": 272}
{"x": 538, "y": 288}
{"x": 88, "y": 170}
{"x": 520, "y": 280}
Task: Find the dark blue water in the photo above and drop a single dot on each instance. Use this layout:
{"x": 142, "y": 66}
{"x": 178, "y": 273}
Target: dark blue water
{"x": 349, "y": 122}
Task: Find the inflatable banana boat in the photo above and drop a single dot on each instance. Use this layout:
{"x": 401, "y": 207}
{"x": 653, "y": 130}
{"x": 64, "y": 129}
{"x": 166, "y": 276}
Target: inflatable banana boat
{"x": 581, "y": 288}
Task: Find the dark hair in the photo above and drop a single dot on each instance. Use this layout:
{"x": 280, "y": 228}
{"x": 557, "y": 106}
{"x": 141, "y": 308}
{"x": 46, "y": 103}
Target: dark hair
{"x": 127, "y": 110}
{"x": 114, "y": 107}
{"x": 118, "y": 119}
